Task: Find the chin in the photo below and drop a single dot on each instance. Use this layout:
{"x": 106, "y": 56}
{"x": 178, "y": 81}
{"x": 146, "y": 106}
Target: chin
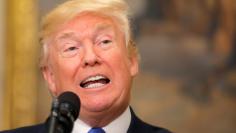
{"x": 98, "y": 106}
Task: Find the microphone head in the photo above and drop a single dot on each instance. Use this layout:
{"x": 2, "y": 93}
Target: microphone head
{"x": 69, "y": 103}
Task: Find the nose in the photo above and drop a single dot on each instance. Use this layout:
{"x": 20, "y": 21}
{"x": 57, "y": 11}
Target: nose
{"x": 90, "y": 56}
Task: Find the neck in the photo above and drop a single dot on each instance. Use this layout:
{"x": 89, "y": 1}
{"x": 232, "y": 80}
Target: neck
{"x": 101, "y": 119}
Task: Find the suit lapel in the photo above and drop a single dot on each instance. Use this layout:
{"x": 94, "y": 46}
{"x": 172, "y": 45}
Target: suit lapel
{"x": 136, "y": 125}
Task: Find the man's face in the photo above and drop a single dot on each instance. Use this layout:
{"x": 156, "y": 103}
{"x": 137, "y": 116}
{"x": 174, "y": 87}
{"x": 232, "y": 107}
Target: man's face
{"x": 88, "y": 56}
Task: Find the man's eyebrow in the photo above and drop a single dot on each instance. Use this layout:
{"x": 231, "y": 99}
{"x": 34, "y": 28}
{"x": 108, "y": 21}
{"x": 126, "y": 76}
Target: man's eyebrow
{"x": 102, "y": 27}
{"x": 66, "y": 35}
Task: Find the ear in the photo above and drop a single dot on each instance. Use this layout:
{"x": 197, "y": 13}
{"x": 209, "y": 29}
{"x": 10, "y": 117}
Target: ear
{"x": 134, "y": 66}
{"x": 49, "y": 77}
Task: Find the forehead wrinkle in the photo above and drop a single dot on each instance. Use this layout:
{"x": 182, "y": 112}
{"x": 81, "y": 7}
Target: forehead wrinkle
{"x": 97, "y": 28}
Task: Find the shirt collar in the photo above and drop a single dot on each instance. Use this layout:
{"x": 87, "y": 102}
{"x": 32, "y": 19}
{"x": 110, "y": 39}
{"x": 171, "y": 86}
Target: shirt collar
{"x": 119, "y": 125}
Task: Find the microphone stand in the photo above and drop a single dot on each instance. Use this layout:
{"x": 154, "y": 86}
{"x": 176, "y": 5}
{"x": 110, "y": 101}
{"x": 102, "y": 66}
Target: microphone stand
{"x": 54, "y": 114}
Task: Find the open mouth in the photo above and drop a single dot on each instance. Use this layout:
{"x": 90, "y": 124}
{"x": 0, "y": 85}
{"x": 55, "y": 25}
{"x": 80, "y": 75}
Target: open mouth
{"x": 95, "y": 81}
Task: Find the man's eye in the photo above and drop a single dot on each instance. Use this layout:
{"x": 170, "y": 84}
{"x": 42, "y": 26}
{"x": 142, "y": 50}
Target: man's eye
{"x": 70, "y": 49}
{"x": 106, "y": 42}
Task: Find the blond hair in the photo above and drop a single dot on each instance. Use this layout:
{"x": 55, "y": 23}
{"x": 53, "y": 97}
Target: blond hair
{"x": 116, "y": 9}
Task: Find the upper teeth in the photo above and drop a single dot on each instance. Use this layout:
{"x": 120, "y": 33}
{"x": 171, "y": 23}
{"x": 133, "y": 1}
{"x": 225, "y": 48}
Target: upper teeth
{"x": 94, "y": 78}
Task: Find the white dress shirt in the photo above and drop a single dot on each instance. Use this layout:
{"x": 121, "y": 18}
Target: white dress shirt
{"x": 119, "y": 125}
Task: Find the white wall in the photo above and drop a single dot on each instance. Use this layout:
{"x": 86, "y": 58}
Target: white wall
{"x": 2, "y": 12}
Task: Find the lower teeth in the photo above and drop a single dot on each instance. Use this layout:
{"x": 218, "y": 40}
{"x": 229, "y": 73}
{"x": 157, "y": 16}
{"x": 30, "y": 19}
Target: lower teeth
{"x": 95, "y": 85}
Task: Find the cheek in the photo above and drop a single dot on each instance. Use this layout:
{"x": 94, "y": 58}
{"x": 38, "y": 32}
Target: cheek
{"x": 119, "y": 64}
{"x": 64, "y": 72}
{"x": 117, "y": 57}
{"x": 68, "y": 69}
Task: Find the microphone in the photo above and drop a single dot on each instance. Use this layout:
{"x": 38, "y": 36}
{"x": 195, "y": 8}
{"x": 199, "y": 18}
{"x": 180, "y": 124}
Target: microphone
{"x": 65, "y": 110}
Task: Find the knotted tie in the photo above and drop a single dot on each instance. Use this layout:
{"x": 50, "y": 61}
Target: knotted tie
{"x": 96, "y": 130}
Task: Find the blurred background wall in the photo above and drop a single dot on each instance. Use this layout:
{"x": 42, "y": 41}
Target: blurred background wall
{"x": 21, "y": 63}
{"x": 187, "y": 81}
{"x": 2, "y": 9}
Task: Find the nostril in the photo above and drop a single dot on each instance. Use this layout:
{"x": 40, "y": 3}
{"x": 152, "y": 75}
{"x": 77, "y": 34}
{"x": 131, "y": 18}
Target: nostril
{"x": 91, "y": 63}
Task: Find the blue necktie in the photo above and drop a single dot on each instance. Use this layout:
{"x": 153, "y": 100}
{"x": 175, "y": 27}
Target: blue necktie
{"x": 96, "y": 130}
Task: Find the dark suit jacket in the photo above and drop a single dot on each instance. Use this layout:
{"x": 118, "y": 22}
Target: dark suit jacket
{"x": 136, "y": 126}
